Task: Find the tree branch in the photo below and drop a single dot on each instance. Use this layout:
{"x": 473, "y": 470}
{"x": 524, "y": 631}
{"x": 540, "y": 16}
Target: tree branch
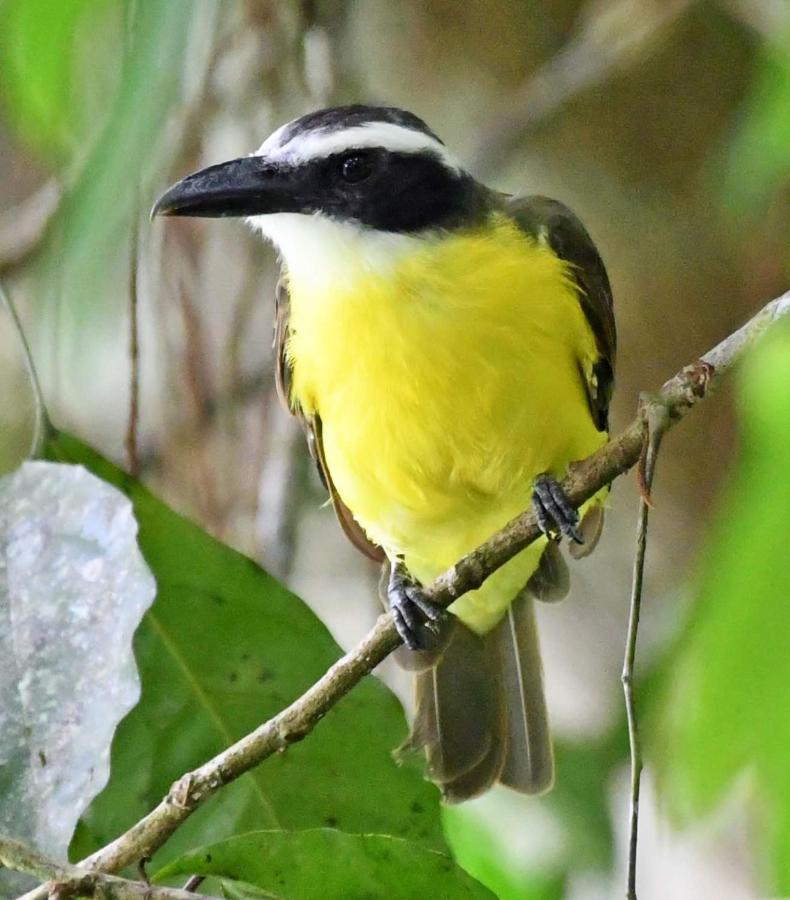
{"x": 687, "y": 388}
{"x": 63, "y": 881}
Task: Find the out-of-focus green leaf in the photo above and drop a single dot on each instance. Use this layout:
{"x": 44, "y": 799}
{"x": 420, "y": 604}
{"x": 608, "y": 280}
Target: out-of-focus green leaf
{"x": 579, "y": 814}
{"x": 580, "y": 797}
{"x": 45, "y": 53}
{"x": 327, "y": 864}
{"x": 89, "y": 238}
{"x": 726, "y": 705}
{"x": 480, "y": 852}
{"x": 758, "y": 160}
{"x": 224, "y": 648}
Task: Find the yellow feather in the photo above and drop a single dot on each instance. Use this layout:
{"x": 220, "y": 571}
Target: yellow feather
{"x": 445, "y": 384}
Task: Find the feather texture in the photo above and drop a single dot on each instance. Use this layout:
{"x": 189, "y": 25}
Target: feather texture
{"x": 481, "y": 714}
{"x": 529, "y": 762}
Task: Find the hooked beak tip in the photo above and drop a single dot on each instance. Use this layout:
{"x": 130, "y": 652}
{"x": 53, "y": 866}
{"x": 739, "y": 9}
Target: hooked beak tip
{"x": 162, "y": 207}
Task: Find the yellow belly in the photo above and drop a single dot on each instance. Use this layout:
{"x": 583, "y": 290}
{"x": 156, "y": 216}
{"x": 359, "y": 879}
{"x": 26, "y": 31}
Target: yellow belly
{"x": 445, "y": 386}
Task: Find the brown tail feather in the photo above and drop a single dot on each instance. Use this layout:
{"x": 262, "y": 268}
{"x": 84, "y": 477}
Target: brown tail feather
{"x": 479, "y": 778}
{"x": 529, "y": 760}
{"x": 456, "y": 713}
{"x": 481, "y": 715}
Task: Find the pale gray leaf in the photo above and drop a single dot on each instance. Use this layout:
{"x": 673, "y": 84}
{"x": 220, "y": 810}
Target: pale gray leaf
{"x": 73, "y": 588}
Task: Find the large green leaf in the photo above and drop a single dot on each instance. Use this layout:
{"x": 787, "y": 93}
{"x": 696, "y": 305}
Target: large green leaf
{"x": 224, "y": 647}
{"x": 727, "y": 702}
{"x": 327, "y": 864}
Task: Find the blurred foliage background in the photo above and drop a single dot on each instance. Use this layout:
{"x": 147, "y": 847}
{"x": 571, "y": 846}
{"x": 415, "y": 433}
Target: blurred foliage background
{"x": 666, "y": 125}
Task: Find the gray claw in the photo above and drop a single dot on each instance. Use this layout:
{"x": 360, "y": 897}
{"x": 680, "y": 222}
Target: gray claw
{"x": 414, "y": 615}
{"x": 428, "y": 608}
{"x": 554, "y": 510}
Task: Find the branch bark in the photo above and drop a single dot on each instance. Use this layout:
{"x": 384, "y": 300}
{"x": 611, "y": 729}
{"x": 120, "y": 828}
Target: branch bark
{"x": 64, "y": 881}
{"x": 677, "y": 396}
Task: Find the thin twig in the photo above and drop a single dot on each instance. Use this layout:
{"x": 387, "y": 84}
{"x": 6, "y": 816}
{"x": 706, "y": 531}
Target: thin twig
{"x": 198, "y": 382}
{"x": 42, "y": 425}
{"x": 63, "y": 880}
{"x": 687, "y": 388}
{"x": 656, "y": 416}
{"x": 132, "y": 452}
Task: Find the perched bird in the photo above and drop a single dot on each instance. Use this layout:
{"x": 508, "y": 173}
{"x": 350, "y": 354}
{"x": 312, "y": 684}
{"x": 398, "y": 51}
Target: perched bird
{"x": 449, "y": 351}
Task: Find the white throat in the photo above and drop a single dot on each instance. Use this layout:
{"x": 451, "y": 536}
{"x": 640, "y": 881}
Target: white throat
{"x": 319, "y": 251}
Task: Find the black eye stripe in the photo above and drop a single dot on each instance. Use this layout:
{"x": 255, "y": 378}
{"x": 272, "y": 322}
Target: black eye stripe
{"x": 399, "y": 192}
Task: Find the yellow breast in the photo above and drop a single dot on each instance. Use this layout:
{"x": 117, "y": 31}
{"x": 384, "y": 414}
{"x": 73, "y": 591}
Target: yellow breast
{"x": 445, "y": 383}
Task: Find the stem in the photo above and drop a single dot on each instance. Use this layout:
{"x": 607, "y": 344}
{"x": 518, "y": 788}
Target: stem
{"x": 656, "y": 416}
{"x": 132, "y": 454}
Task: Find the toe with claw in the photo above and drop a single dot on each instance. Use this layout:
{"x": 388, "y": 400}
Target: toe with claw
{"x": 416, "y": 617}
{"x": 555, "y": 513}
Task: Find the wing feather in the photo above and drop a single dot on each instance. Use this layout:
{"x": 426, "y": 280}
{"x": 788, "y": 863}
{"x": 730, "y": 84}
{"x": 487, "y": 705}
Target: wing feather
{"x": 551, "y": 222}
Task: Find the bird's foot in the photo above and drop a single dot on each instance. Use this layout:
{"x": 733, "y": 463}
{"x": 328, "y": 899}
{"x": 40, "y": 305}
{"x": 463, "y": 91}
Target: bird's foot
{"x": 555, "y": 513}
{"x": 416, "y": 617}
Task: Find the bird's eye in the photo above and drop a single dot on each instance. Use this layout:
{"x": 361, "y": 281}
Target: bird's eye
{"x": 356, "y": 167}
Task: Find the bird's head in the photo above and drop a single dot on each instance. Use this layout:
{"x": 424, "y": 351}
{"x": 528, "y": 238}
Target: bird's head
{"x": 361, "y": 172}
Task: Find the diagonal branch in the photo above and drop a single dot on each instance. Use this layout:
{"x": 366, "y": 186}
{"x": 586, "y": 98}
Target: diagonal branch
{"x": 64, "y": 881}
{"x": 687, "y": 388}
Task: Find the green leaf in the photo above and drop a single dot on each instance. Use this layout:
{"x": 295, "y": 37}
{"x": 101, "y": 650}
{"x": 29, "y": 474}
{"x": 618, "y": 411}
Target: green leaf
{"x": 577, "y": 812}
{"x": 43, "y": 89}
{"x": 327, "y": 864}
{"x": 90, "y": 246}
{"x": 726, "y": 707}
{"x": 580, "y": 797}
{"x": 240, "y": 890}
{"x": 482, "y": 854}
{"x": 224, "y": 648}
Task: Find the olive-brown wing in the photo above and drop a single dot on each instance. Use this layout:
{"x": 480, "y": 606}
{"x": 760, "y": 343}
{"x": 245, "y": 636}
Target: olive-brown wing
{"x": 312, "y": 429}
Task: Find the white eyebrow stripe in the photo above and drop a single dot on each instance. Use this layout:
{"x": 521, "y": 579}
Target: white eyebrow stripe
{"x": 320, "y": 144}
{"x": 272, "y": 142}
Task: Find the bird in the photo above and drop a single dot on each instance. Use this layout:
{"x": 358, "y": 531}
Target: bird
{"x": 449, "y": 350}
